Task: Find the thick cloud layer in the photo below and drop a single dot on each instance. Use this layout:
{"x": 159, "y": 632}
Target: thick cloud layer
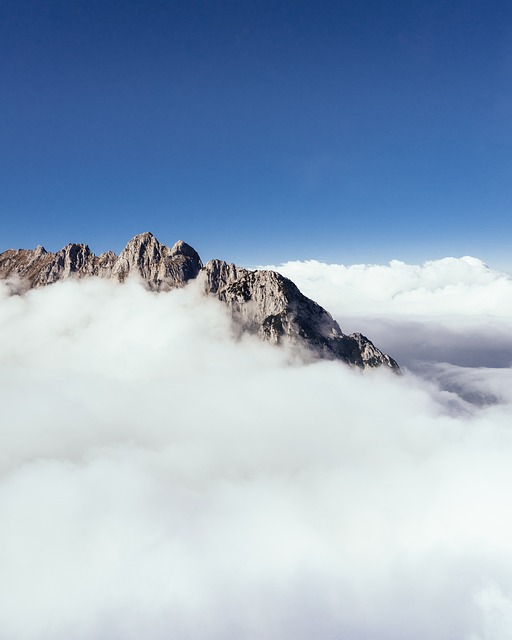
{"x": 455, "y": 310}
{"x": 437, "y": 288}
{"x": 161, "y": 479}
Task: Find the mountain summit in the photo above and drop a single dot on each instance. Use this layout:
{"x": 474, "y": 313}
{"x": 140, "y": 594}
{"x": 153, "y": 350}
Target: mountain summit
{"x": 160, "y": 267}
{"x": 261, "y": 302}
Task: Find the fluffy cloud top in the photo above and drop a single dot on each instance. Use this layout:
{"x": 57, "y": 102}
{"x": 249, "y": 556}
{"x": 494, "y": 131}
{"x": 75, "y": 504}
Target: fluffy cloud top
{"x": 455, "y": 309}
{"x": 461, "y": 286}
{"x": 160, "y": 478}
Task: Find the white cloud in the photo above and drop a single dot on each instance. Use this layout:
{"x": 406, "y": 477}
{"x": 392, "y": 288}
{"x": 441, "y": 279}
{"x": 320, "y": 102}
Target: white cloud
{"x": 497, "y": 613}
{"x": 161, "y": 479}
{"x": 455, "y": 309}
{"x": 460, "y": 286}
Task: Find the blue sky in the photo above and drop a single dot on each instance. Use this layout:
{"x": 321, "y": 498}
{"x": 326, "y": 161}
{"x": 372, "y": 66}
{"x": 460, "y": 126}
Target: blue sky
{"x": 259, "y": 131}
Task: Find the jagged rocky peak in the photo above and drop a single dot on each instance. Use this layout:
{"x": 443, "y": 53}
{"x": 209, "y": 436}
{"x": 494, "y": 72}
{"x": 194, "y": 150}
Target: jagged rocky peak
{"x": 73, "y": 258}
{"x": 160, "y": 267}
{"x": 182, "y": 248}
{"x": 217, "y": 274}
{"x": 260, "y": 302}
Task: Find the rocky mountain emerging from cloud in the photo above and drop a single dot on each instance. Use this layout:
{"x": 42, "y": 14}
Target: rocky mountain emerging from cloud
{"x": 261, "y": 302}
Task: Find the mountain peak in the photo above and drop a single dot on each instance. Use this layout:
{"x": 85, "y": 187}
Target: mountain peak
{"x": 183, "y": 248}
{"x": 160, "y": 267}
{"x": 260, "y": 302}
{"x": 142, "y": 238}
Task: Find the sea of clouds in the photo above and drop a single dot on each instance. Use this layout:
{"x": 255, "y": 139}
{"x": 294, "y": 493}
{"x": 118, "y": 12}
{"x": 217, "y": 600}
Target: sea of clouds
{"x": 454, "y": 310}
{"x": 161, "y": 478}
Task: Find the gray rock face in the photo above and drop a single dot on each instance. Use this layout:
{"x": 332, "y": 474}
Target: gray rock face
{"x": 267, "y": 303}
{"x": 161, "y": 267}
{"x": 261, "y": 302}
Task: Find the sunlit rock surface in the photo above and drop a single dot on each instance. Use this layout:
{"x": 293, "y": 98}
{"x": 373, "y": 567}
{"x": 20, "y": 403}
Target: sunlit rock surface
{"x": 260, "y": 302}
{"x": 160, "y": 267}
{"x": 267, "y": 303}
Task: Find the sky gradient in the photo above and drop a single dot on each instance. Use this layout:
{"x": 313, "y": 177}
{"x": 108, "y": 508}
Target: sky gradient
{"x": 259, "y": 132}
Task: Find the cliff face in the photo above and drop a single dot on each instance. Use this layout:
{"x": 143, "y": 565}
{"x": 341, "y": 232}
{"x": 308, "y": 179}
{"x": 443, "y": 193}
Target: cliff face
{"x": 261, "y": 302}
{"x": 267, "y": 303}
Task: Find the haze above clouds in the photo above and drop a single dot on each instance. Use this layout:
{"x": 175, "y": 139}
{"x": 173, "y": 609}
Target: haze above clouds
{"x": 160, "y": 477}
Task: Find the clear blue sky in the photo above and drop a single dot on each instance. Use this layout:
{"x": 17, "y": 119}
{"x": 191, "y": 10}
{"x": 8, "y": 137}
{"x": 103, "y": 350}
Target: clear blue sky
{"x": 259, "y": 131}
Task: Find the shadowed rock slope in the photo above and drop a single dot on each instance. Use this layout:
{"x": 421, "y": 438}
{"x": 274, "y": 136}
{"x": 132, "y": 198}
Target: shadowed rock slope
{"x": 261, "y": 302}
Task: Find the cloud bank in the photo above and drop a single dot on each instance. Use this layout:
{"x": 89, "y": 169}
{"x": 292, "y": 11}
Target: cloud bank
{"x": 456, "y": 310}
{"x": 458, "y": 286}
{"x": 159, "y": 478}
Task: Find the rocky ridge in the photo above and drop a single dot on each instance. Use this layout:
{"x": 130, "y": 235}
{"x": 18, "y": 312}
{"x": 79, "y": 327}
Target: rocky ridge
{"x": 161, "y": 268}
{"x": 261, "y": 302}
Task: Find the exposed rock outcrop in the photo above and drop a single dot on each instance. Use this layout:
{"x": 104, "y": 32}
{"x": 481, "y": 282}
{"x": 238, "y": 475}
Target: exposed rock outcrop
{"x": 160, "y": 267}
{"x": 267, "y": 303}
{"x": 261, "y": 302}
